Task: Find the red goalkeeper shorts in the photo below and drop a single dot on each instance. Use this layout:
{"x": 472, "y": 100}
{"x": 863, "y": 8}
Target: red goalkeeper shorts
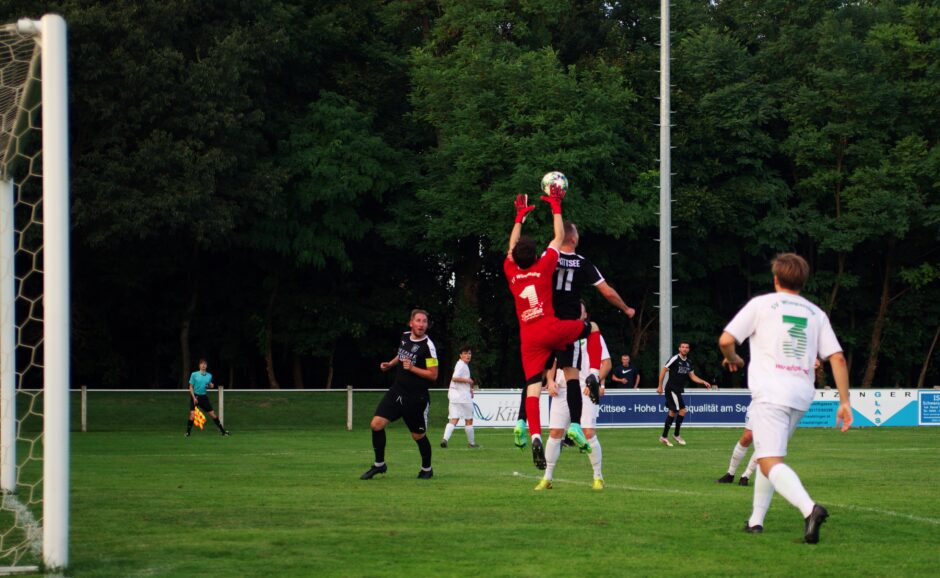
{"x": 545, "y": 336}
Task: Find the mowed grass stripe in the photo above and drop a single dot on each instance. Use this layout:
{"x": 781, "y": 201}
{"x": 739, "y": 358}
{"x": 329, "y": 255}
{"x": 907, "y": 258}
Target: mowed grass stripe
{"x": 289, "y": 503}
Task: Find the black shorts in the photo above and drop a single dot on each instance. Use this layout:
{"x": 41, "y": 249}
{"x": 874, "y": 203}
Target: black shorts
{"x": 674, "y": 401}
{"x": 202, "y": 401}
{"x": 412, "y": 408}
{"x": 570, "y": 356}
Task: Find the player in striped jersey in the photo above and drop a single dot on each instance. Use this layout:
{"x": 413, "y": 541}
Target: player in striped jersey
{"x": 560, "y": 417}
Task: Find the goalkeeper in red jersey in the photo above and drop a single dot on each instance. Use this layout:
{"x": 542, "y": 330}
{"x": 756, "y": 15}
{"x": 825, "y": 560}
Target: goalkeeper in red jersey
{"x": 540, "y": 332}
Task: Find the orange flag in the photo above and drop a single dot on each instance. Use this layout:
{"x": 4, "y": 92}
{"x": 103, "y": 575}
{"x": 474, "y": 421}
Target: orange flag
{"x": 199, "y": 419}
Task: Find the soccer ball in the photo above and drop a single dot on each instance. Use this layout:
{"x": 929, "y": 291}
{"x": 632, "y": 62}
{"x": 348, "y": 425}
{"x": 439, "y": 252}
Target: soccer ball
{"x": 554, "y": 177}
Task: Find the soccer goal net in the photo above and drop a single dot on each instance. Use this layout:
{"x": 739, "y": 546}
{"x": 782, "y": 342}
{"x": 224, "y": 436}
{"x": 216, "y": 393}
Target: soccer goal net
{"x": 34, "y": 296}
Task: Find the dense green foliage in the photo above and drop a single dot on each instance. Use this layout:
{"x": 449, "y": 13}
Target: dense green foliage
{"x": 274, "y": 184}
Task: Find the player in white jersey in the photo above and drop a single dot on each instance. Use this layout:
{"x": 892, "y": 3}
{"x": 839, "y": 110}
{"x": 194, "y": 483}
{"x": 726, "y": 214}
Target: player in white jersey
{"x": 460, "y": 399}
{"x": 740, "y": 450}
{"x": 560, "y": 416}
{"x": 786, "y": 334}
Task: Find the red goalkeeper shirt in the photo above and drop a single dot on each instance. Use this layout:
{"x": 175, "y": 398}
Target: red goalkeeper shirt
{"x": 532, "y": 288}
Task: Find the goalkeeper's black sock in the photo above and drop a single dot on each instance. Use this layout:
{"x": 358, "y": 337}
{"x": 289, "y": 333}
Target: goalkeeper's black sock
{"x": 218, "y": 424}
{"x": 378, "y": 444}
{"x": 679, "y": 418}
{"x": 575, "y": 405}
{"x": 424, "y": 446}
{"x": 189, "y": 426}
{"x": 669, "y": 419}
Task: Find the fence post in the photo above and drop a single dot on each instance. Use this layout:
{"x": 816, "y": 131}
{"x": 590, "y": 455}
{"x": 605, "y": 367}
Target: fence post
{"x": 221, "y": 404}
{"x": 84, "y": 408}
{"x": 349, "y": 407}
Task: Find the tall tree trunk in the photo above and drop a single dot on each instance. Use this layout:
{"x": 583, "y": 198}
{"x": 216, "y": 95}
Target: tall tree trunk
{"x": 269, "y": 342}
{"x": 184, "y": 335}
{"x": 329, "y": 373}
{"x": 465, "y": 327}
{"x": 840, "y": 270}
{"x": 298, "y": 371}
{"x": 874, "y": 346}
{"x": 926, "y": 365}
{"x": 640, "y": 328}
{"x": 840, "y": 156}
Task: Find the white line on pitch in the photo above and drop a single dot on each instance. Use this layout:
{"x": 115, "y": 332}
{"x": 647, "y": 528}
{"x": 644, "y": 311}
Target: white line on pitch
{"x": 615, "y": 486}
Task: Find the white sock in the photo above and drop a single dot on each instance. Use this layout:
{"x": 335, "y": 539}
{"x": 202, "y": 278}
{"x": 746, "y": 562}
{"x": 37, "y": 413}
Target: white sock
{"x": 788, "y": 484}
{"x": 448, "y": 430}
{"x": 750, "y": 467}
{"x": 469, "y": 430}
{"x": 763, "y": 494}
{"x": 536, "y": 437}
{"x": 595, "y": 456}
{"x": 552, "y": 451}
{"x": 736, "y": 456}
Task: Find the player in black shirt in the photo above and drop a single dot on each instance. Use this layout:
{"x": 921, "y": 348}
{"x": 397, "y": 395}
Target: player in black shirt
{"x": 415, "y": 367}
{"x": 573, "y": 274}
{"x": 680, "y": 372}
{"x": 626, "y": 373}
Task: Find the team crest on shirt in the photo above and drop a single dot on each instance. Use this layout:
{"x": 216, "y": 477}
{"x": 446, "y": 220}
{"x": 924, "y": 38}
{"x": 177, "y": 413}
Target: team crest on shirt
{"x": 415, "y": 348}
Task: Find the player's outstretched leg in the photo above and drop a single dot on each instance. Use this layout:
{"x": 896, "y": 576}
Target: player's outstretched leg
{"x": 538, "y": 454}
{"x": 675, "y": 436}
{"x": 520, "y": 433}
{"x": 552, "y": 452}
{"x": 576, "y": 435}
{"x": 378, "y": 446}
{"x": 424, "y": 448}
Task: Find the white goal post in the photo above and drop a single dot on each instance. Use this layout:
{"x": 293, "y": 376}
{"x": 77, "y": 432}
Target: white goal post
{"x": 50, "y": 215}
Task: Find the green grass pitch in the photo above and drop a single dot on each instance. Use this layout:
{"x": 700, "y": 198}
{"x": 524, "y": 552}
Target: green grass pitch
{"x": 282, "y": 497}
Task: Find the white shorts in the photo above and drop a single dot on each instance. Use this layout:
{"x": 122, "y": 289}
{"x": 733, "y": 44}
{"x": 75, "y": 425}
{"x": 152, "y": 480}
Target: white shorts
{"x": 560, "y": 417}
{"x": 747, "y": 418}
{"x": 772, "y": 426}
{"x": 459, "y": 410}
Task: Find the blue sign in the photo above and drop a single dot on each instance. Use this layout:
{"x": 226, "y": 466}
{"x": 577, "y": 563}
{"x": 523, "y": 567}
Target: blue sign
{"x": 644, "y": 409}
{"x": 929, "y": 402}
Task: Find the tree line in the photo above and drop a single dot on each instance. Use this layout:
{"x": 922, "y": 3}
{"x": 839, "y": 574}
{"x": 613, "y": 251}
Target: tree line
{"x": 275, "y": 184}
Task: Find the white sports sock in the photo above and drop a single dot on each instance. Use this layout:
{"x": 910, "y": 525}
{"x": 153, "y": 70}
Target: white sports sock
{"x": 469, "y": 430}
{"x": 750, "y": 467}
{"x": 595, "y": 456}
{"x": 763, "y": 494}
{"x": 448, "y": 430}
{"x": 736, "y": 456}
{"x": 552, "y": 451}
{"x": 788, "y": 484}
{"x": 536, "y": 437}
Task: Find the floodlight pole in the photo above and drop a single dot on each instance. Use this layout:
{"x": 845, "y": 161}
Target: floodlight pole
{"x": 665, "y": 193}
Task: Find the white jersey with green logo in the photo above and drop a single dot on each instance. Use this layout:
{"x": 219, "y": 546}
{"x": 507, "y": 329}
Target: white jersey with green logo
{"x": 787, "y": 333}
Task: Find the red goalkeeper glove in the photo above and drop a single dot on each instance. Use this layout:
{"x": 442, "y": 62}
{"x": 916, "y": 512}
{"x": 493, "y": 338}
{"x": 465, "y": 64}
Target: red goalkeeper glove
{"x": 523, "y": 207}
{"x": 554, "y": 197}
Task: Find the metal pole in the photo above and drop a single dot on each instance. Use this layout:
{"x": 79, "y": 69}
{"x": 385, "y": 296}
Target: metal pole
{"x": 222, "y": 404}
{"x": 665, "y": 193}
{"x": 56, "y": 290}
{"x": 7, "y": 340}
{"x": 84, "y": 409}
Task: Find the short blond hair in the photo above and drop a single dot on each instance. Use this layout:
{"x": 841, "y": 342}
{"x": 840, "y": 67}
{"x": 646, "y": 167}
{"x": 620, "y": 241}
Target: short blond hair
{"x": 791, "y": 270}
